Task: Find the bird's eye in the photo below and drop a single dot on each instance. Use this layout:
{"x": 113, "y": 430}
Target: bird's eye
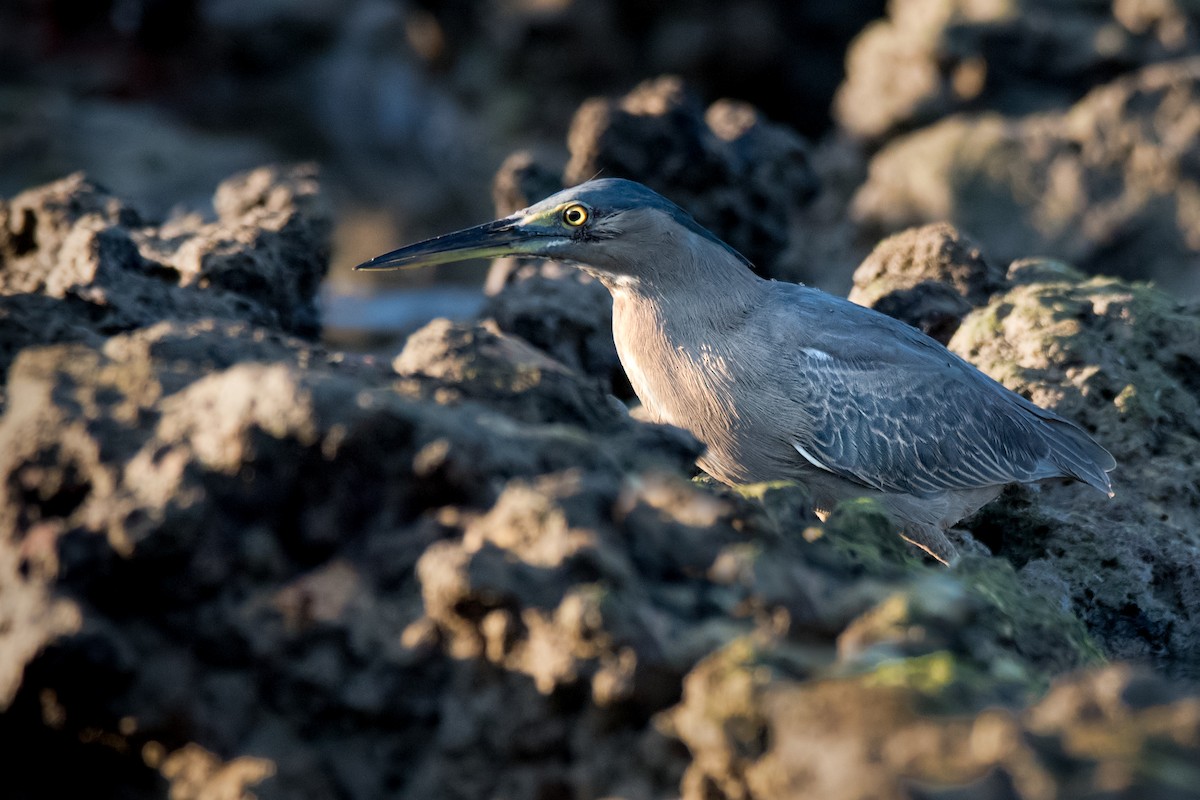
{"x": 575, "y": 215}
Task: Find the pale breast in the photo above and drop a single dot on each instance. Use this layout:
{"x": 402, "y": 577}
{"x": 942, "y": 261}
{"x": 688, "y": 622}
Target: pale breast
{"x": 696, "y": 385}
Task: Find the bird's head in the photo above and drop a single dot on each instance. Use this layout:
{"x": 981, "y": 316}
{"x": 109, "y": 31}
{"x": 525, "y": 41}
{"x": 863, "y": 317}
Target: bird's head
{"x": 618, "y": 228}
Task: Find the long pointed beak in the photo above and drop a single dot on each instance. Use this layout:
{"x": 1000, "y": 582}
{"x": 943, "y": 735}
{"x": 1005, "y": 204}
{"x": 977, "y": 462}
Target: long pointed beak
{"x": 504, "y": 237}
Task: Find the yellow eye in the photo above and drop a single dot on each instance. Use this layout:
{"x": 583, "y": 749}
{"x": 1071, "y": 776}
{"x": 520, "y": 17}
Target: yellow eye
{"x": 575, "y": 215}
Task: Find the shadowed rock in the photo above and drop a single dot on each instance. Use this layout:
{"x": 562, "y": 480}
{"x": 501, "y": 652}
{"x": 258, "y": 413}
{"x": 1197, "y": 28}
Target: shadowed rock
{"x": 741, "y": 176}
{"x": 1120, "y": 360}
{"x": 261, "y": 260}
{"x": 927, "y": 60}
{"x": 929, "y": 277}
{"x": 758, "y": 730}
{"x": 1105, "y": 185}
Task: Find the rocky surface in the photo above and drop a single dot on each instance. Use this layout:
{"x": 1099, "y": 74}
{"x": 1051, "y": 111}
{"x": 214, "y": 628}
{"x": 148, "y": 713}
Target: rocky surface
{"x": 928, "y": 59}
{"x": 930, "y": 277}
{"x": 1120, "y": 359}
{"x": 758, "y": 732}
{"x": 737, "y": 173}
{"x": 551, "y": 305}
{"x": 562, "y": 311}
{"x": 236, "y": 562}
{"x": 1107, "y": 185}
{"x": 409, "y": 106}
{"x": 261, "y": 260}
{"x": 233, "y": 561}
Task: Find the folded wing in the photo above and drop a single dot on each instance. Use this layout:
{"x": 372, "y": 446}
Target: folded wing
{"x": 910, "y": 416}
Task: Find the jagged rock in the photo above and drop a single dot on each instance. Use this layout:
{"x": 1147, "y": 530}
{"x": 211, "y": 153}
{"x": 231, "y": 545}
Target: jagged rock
{"x": 262, "y": 260}
{"x": 234, "y": 561}
{"x": 1119, "y": 359}
{"x": 739, "y": 175}
{"x": 931, "y": 58}
{"x": 929, "y": 277}
{"x": 758, "y": 730}
{"x": 489, "y": 366}
{"x": 227, "y": 500}
{"x": 34, "y": 319}
{"x": 287, "y": 568}
{"x": 521, "y": 181}
{"x": 551, "y": 305}
{"x": 564, "y": 312}
{"x": 1105, "y": 186}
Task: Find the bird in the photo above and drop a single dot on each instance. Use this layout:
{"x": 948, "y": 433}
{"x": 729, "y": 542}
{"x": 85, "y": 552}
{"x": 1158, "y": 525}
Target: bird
{"x": 782, "y": 382}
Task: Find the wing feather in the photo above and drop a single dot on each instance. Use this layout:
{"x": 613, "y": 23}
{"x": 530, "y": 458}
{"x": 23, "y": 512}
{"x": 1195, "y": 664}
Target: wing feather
{"x": 886, "y": 406}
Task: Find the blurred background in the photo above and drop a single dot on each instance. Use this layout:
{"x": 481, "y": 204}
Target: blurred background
{"x": 908, "y": 113}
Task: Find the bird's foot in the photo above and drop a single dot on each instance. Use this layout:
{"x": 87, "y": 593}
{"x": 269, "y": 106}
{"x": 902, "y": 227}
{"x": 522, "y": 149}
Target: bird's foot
{"x": 934, "y": 542}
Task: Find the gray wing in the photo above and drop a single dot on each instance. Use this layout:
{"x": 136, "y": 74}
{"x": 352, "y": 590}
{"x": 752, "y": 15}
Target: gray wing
{"x": 883, "y": 404}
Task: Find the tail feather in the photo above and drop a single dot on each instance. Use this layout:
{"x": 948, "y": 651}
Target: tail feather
{"x": 1078, "y": 455}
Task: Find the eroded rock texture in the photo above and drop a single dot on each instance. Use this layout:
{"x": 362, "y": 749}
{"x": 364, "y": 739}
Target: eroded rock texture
{"x": 325, "y": 575}
{"x": 233, "y": 561}
{"x": 737, "y": 173}
{"x": 261, "y": 260}
{"x": 1107, "y": 184}
{"x": 929, "y": 277}
{"x": 931, "y": 58}
{"x": 757, "y": 732}
{"x": 1119, "y": 359}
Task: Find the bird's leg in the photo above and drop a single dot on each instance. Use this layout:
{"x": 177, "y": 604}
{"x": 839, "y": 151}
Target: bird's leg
{"x": 932, "y": 540}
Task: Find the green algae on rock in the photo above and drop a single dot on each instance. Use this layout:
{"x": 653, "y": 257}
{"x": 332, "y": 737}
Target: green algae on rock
{"x": 757, "y": 732}
{"x": 1120, "y": 359}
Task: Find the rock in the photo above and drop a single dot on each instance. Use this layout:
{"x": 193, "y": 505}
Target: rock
{"x": 269, "y": 243}
{"x": 342, "y": 578}
{"x": 618, "y": 589}
{"x": 758, "y": 730}
{"x": 1104, "y": 185}
{"x": 196, "y": 774}
{"x": 221, "y": 496}
{"x": 522, "y": 180}
{"x": 929, "y": 59}
{"x": 549, "y": 304}
{"x": 409, "y": 106}
{"x": 562, "y": 311}
{"x": 1119, "y": 359}
{"x": 262, "y": 260}
{"x": 33, "y": 319}
{"x": 929, "y": 277}
{"x": 489, "y": 366}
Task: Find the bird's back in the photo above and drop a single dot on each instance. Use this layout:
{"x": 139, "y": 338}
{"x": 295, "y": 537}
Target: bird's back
{"x": 877, "y": 401}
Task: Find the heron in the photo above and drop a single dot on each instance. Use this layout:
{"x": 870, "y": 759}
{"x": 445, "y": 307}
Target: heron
{"x": 781, "y": 381}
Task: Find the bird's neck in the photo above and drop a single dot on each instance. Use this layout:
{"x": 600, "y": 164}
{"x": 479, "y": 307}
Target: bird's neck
{"x": 679, "y": 334}
{"x": 706, "y": 282}
{"x": 691, "y": 305}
